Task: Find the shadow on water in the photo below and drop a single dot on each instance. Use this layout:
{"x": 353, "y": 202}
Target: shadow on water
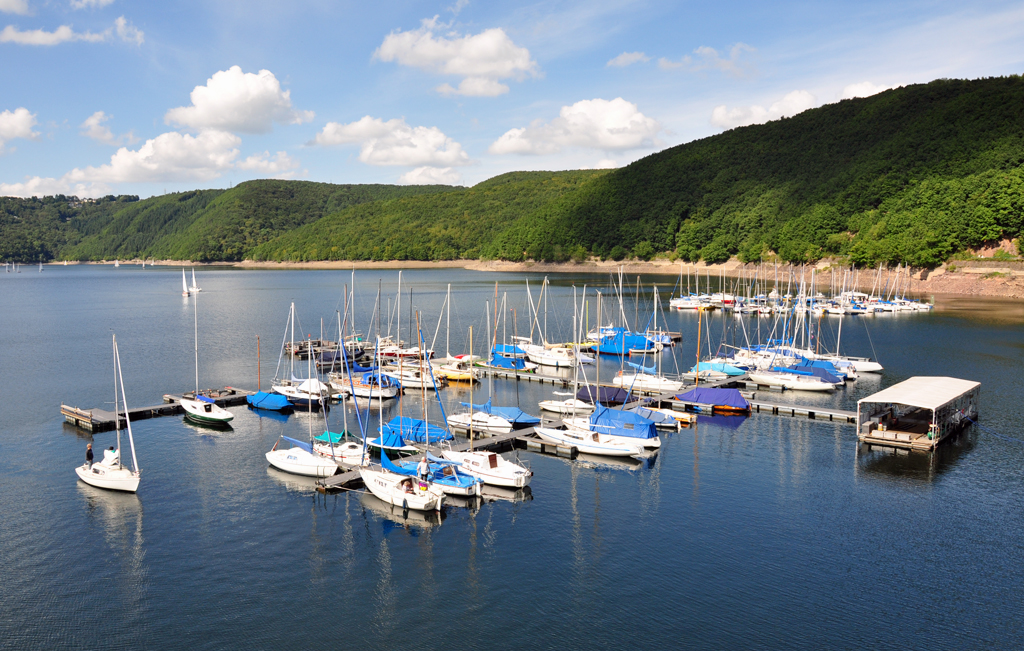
{"x": 914, "y": 464}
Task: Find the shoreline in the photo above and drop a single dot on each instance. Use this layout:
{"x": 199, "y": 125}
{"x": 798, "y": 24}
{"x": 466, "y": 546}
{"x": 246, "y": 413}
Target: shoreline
{"x": 951, "y": 279}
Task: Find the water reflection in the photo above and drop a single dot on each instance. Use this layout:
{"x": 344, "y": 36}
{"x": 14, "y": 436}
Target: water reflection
{"x": 915, "y": 464}
{"x": 120, "y": 517}
{"x": 294, "y": 483}
{"x": 408, "y": 519}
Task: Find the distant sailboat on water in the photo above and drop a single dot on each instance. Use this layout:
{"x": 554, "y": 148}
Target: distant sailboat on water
{"x": 117, "y": 264}
{"x": 194, "y": 288}
{"x": 184, "y": 285}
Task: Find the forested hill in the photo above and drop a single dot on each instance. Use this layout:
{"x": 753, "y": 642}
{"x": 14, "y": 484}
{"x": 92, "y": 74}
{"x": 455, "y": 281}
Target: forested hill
{"x": 914, "y": 174}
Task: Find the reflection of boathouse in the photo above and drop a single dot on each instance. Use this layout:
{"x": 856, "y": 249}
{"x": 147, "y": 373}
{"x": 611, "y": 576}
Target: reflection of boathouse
{"x": 917, "y": 413}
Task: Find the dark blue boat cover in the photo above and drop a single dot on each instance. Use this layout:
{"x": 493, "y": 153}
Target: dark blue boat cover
{"x": 604, "y": 395}
{"x": 622, "y": 423}
{"x": 391, "y": 467}
{"x": 203, "y": 398}
{"x": 811, "y": 370}
{"x": 390, "y": 438}
{"x": 622, "y": 342}
{"x": 713, "y": 396}
{"x": 413, "y": 429}
{"x": 510, "y": 363}
{"x": 655, "y": 416}
{"x": 508, "y": 350}
{"x": 514, "y": 415}
{"x": 272, "y": 401}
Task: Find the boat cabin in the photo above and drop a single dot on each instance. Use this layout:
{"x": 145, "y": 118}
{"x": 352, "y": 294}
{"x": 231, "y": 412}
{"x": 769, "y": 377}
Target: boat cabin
{"x": 918, "y": 413}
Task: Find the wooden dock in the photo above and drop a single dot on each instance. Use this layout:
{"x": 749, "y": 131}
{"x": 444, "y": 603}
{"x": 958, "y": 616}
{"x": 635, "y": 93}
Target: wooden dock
{"x": 101, "y": 420}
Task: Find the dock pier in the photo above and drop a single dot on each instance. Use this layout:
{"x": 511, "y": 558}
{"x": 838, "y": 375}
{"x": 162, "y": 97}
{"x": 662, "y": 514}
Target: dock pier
{"x": 101, "y": 420}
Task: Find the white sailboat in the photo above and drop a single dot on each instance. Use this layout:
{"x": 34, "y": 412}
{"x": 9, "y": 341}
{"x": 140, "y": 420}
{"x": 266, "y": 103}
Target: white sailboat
{"x": 492, "y": 468}
{"x": 200, "y": 408}
{"x": 110, "y": 473}
{"x": 184, "y": 285}
{"x": 194, "y": 288}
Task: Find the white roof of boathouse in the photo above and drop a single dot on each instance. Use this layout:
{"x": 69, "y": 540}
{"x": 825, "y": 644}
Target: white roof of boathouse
{"x": 925, "y": 392}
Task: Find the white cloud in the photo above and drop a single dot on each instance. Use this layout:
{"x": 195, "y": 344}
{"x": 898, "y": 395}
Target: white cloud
{"x": 628, "y": 59}
{"x": 94, "y": 128}
{"x": 62, "y": 34}
{"x": 170, "y": 156}
{"x": 19, "y": 7}
{"x": 395, "y": 143}
{"x": 65, "y": 34}
{"x": 596, "y": 124}
{"x": 793, "y": 103}
{"x": 863, "y": 89}
{"x": 605, "y": 164}
{"x": 281, "y": 166}
{"x": 128, "y": 32}
{"x": 233, "y": 100}
{"x": 458, "y": 6}
{"x": 482, "y": 59}
{"x": 96, "y": 4}
{"x": 431, "y": 176}
{"x": 38, "y": 186}
{"x": 708, "y": 58}
{"x": 16, "y": 124}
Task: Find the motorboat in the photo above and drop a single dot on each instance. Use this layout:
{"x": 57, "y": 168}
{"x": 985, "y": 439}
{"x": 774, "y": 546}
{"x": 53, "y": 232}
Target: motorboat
{"x": 491, "y": 467}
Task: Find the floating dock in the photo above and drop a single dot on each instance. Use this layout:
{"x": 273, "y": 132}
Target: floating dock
{"x": 101, "y": 420}
{"x": 918, "y": 413}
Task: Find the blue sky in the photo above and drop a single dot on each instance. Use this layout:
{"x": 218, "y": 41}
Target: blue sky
{"x": 113, "y": 96}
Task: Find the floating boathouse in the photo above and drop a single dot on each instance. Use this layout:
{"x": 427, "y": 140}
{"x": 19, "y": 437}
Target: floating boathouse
{"x": 918, "y": 413}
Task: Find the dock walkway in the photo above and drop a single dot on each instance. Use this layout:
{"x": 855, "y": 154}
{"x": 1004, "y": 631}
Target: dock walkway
{"x": 101, "y": 420}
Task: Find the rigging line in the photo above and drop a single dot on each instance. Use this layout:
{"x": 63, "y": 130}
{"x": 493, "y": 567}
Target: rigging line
{"x": 869, "y": 341}
{"x": 992, "y": 431}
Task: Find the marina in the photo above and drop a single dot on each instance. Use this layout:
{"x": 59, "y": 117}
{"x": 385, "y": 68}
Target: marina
{"x": 782, "y": 482}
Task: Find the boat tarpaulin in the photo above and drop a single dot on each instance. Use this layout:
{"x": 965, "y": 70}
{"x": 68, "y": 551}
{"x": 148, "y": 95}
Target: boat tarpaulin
{"x": 650, "y": 370}
{"x": 391, "y": 467}
{"x": 510, "y": 363}
{"x": 514, "y": 415}
{"x": 272, "y": 401}
{"x": 815, "y": 371}
{"x": 622, "y": 342}
{"x": 604, "y": 395}
{"x": 715, "y": 396}
{"x": 718, "y": 367}
{"x": 302, "y": 445}
{"x": 622, "y": 423}
{"x": 330, "y": 437}
{"x": 203, "y": 398}
{"x": 413, "y": 429}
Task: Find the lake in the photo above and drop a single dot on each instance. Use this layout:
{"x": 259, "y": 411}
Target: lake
{"x": 763, "y": 532}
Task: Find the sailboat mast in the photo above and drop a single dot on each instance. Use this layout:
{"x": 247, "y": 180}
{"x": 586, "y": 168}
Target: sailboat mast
{"x": 398, "y": 327}
{"x": 127, "y": 420}
{"x": 195, "y": 313}
{"x": 117, "y": 417}
{"x": 471, "y": 383}
{"x": 259, "y": 367}
{"x": 448, "y": 327}
{"x": 291, "y": 356}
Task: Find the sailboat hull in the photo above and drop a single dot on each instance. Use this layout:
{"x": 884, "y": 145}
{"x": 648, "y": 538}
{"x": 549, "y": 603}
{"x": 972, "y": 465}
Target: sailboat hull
{"x": 385, "y": 486}
{"x": 300, "y": 462}
{"x": 205, "y": 412}
{"x": 110, "y": 478}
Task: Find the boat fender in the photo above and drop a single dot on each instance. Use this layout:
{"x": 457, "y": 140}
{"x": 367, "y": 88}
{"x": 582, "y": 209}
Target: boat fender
{"x": 405, "y": 504}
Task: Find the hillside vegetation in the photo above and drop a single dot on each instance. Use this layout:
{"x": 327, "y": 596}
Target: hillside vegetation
{"x": 914, "y": 175}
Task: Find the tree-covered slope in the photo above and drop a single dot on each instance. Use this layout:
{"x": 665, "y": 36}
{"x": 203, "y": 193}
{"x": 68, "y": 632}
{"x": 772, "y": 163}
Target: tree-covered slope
{"x": 443, "y": 226}
{"x": 220, "y": 225}
{"x": 912, "y": 174}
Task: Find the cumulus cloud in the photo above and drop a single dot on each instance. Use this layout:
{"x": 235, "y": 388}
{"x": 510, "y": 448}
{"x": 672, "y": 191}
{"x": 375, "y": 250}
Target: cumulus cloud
{"x": 95, "y": 4}
{"x": 281, "y": 166}
{"x": 16, "y": 124}
{"x": 628, "y": 59}
{"x": 169, "y": 157}
{"x": 238, "y": 101}
{"x": 605, "y": 164}
{"x": 596, "y": 124}
{"x": 94, "y": 128}
{"x": 431, "y": 176}
{"x": 19, "y": 7}
{"x": 65, "y": 34}
{"x": 708, "y": 58}
{"x": 482, "y": 60}
{"x": 863, "y": 89}
{"x": 395, "y": 143}
{"x": 796, "y": 102}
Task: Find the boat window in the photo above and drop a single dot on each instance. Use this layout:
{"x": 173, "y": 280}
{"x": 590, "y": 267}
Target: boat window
{"x": 628, "y": 425}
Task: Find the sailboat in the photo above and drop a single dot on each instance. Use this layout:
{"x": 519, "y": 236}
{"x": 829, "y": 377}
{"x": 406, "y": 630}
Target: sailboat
{"x": 40, "y": 266}
{"x": 117, "y": 264}
{"x": 400, "y": 487}
{"x": 261, "y": 399}
{"x": 194, "y": 288}
{"x": 184, "y": 286}
{"x": 110, "y": 473}
{"x": 300, "y": 458}
{"x": 203, "y": 409}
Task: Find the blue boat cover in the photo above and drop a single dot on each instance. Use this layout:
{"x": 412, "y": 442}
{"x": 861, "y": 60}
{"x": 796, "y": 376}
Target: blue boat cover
{"x": 413, "y": 429}
{"x": 330, "y": 437}
{"x": 604, "y": 395}
{"x": 390, "y": 438}
{"x": 812, "y": 370}
{"x": 622, "y": 423}
{"x": 712, "y": 396}
{"x": 391, "y": 467}
{"x": 373, "y": 379}
{"x": 510, "y": 363}
{"x": 728, "y": 369}
{"x": 508, "y": 350}
{"x": 205, "y": 399}
{"x": 655, "y": 416}
{"x": 622, "y": 342}
{"x": 272, "y": 401}
{"x": 514, "y": 415}
{"x": 299, "y": 444}
{"x": 651, "y": 370}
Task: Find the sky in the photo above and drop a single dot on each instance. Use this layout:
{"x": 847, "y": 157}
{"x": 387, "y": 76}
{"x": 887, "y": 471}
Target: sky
{"x": 105, "y": 97}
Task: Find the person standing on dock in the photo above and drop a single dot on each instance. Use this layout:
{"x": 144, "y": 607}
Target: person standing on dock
{"x": 423, "y": 468}
{"x": 88, "y": 455}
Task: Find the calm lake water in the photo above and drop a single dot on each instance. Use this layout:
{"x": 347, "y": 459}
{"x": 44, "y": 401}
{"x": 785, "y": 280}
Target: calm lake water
{"x": 763, "y": 533}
